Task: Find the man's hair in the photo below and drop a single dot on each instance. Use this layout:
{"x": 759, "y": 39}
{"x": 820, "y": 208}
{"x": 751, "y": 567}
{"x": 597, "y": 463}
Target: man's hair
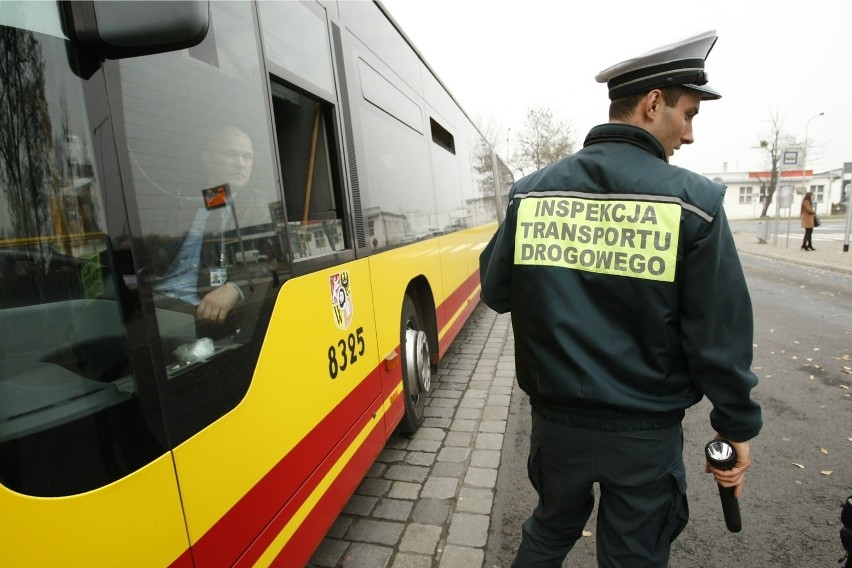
{"x": 622, "y": 108}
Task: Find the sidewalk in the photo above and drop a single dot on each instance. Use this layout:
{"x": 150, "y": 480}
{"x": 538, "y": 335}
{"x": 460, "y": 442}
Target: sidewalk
{"x": 426, "y": 502}
{"x": 828, "y": 255}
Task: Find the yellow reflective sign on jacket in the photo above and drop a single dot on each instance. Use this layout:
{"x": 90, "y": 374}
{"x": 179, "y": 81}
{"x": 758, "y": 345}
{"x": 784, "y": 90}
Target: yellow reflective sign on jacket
{"x": 638, "y": 239}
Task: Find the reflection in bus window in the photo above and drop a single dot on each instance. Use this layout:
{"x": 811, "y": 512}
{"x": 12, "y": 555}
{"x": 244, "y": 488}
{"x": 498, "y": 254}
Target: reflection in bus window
{"x": 70, "y": 415}
{"x": 314, "y": 207}
{"x": 203, "y": 184}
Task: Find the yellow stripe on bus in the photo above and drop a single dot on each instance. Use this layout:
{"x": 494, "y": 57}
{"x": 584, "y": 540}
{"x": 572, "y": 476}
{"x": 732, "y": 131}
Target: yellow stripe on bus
{"x": 321, "y": 489}
{"x": 459, "y": 312}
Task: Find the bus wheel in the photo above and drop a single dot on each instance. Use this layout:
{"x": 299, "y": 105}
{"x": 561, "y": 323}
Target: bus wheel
{"x": 416, "y": 366}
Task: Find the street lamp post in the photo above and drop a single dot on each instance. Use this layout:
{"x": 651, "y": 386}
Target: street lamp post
{"x": 805, "y": 148}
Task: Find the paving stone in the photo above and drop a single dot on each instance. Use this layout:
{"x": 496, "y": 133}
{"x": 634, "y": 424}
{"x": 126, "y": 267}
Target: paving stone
{"x": 495, "y": 413}
{"x": 498, "y": 426}
{"x": 420, "y": 458}
{"x": 444, "y": 402}
{"x": 499, "y": 399}
{"x": 428, "y": 434}
{"x": 468, "y": 529}
{"x": 489, "y": 441}
{"x": 472, "y": 403}
{"x": 329, "y": 553}
{"x": 468, "y": 413}
{"x": 408, "y": 560}
{"x": 439, "y": 488}
{"x": 461, "y": 557}
{"x": 485, "y": 458}
{"x": 360, "y": 505}
{"x": 420, "y": 538}
{"x": 481, "y": 477}
{"x": 376, "y": 470}
{"x": 393, "y": 509}
{"x": 412, "y": 473}
{"x": 378, "y": 532}
{"x": 448, "y": 469}
{"x": 363, "y": 555}
{"x": 453, "y": 454}
{"x": 374, "y": 487}
{"x": 463, "y": 425}
{"x": 424, "y": 445}
{"x": 471, "y": 500}
{"x": 404, "y": 490}
{"x": 390, "y": 455}
{"x": 437, "y": 422}
{"x": 431, "y": 511}
{"x": 458, "y": 439}
{"x": 340, "y": 526}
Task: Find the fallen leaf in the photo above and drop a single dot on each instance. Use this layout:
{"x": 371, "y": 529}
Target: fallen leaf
{"x": 823, "y": 450}
{"x": 843, "y": 387}
{"x": 812, "y": 377}
{"x": 826, "y": 472}
{"x": 800, "y": 466}
{"x": 589, "y": 533}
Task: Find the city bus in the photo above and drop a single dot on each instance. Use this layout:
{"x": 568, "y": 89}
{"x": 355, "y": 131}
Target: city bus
{"x": 236, "y": 238}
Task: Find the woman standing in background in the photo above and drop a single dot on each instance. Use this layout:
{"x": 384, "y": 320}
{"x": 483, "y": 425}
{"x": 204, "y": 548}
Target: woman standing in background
{"x": 808, "y": 216}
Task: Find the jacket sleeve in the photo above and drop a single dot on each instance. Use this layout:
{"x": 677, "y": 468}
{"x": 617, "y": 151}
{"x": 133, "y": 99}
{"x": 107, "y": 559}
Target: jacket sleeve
{"x": 718, "y": 331}
{"x": 495, "y": 265}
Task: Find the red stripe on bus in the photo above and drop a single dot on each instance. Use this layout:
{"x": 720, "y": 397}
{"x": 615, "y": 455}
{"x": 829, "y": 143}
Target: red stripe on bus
{"x": 229, "y": 537}
{"x": 322, "y": 515}
{"x": 302, "y": 544}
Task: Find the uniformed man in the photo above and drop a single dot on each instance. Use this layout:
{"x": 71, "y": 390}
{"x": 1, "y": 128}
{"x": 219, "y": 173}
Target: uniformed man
{"x": 628, "y": 306}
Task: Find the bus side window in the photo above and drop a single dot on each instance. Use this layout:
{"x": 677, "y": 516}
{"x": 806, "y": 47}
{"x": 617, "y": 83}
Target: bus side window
{"x": 201, "y": 179}
{"x": 314, "y": 207}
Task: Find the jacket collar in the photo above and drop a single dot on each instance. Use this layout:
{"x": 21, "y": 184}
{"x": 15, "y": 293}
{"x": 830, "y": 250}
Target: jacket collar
{"x": 626, "y": 133}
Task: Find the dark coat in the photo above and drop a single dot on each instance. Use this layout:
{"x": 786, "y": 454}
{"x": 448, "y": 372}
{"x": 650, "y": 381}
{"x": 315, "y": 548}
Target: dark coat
{"x": 627, "y": 296}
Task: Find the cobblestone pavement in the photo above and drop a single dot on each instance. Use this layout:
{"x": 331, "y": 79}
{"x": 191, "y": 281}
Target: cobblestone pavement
{"x": 426, "y": 502}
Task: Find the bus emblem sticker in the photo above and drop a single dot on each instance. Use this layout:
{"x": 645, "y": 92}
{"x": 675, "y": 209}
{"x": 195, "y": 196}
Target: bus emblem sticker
{"x": 341, "y": 299}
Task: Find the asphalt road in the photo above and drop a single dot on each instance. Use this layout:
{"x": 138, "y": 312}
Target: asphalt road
{"x": 802, "y": 461}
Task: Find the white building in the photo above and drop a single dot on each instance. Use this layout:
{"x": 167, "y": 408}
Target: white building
{"x": 747, "y": 191}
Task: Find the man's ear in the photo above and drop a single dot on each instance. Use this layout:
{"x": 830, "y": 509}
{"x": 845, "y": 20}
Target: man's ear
{"x": 653, "y": 104}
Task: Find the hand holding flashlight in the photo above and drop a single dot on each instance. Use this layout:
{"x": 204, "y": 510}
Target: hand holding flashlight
{"x": 721, "y": 455}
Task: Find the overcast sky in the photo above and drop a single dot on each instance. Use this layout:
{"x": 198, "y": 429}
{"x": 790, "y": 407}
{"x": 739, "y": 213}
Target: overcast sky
{"x": 500, "y": 58}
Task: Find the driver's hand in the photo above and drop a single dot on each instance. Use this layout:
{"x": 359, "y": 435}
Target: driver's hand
{"x": 217, "y": 304}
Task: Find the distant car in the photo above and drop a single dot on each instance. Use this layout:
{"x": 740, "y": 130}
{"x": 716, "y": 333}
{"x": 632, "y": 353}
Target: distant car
{"x": 252, "y": 255}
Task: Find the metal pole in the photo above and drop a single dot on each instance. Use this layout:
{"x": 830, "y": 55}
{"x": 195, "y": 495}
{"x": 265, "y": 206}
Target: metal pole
{"x": 848, "y": 216}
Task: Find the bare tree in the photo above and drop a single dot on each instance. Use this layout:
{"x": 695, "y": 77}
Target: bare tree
{"x": 543, "y": 140}
{"x": 774, "y": 145}
{"x": 25, "y": 139}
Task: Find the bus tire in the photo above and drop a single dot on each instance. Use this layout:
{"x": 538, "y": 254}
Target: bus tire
{"x": 416, "y": 366}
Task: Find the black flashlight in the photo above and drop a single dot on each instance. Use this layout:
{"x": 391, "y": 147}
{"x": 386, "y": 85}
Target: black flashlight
{"x": 721, "y": 455}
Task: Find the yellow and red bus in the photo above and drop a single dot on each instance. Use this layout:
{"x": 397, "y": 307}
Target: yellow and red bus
{"x": 235, "y": 240}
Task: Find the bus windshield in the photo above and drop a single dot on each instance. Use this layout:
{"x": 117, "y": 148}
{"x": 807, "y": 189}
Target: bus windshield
{"x": 64, "y": 356}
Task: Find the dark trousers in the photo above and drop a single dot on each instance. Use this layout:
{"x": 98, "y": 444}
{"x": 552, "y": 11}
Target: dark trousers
{"x": 807, "y": 240}
{"x": 642, "y": 507}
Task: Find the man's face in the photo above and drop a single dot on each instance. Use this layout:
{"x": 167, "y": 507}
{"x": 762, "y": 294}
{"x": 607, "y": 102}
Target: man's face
{"x": 229, "y": 159}
{"x": 673, "y": 125}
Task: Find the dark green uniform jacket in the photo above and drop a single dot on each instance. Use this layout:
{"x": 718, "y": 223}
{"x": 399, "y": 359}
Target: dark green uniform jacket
{"x": 627, "y": 296}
